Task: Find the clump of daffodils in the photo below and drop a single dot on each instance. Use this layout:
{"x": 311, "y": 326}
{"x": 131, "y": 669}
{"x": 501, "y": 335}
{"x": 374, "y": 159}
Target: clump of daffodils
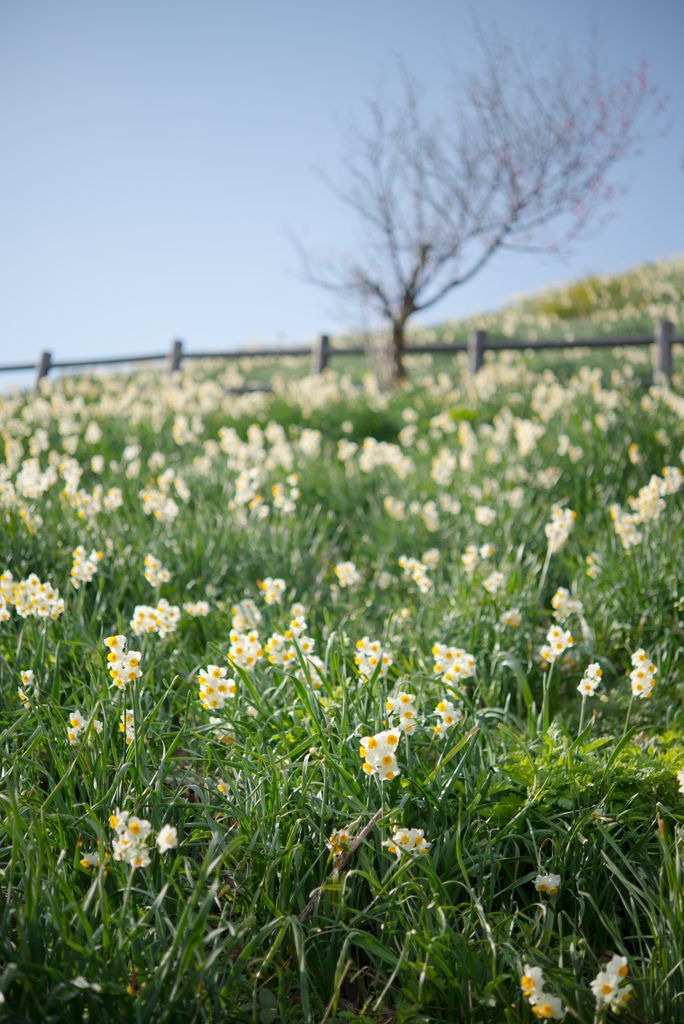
{"x": 245, "y": 648}
{"x": 402, "y": 705}
{"x": 347, "y": 574}
{"x": 647, "y": 507}
{"x": 28, "y": 680}
{"x": 298, "y": 627}
{"x": 593, "y": 569}
{"x": 30, "y": 597}
{"x": 543, "y": 1004}
{"x": 132, "y": 834}
{"x": 247, "y": 486}
{"x": 453, "y": 663}
{"x": 84, "y": 566}
{"x": 77, "y": 724}
{"x": 395, "y": 507}
{"x": 417, "y": 570}
{"x": 246, "y": 615}
{"x": 591, "y": 680}
{"x": 470, "y": 558}
{"x": 273, "y": 589}
{"x": 285, "y": 498}
{"x": 407, "y": 841}
{"x": 430, "y": 558}
{"x": 511, "y": 618}
{"x": 127, "y": 726}
{"x": 282, "y": 647}
{"x": 564, "y": 606}
{"x": 558, "y": 530}
{"x": 673, "y": 479}
{"x": 158, "y": 502}
{"x": 484, "y": 515}
{"x": 382, "y": 453}
{"x": 371, "y": 657}
{"x": 215, "y": 689}
{"x": 493, "y": 582}
{"x": 196, "y": 609}
{"x": 643, "y": 674}
{"x": 609, "y": 985}
{"x": 547, "y": 883}
{"x": 345, "y": 452}
{"x": 443, "y": 466}
{"x": 379, "y": 754}
{"x": 625, "y": 527}
{"x": 559, "y": 640}
{"x": 339, "y": 841}
{"x": 449, "y": 713}
{"x": 649, "y": 503}
{"x": 124, "y": 668}
{"x": 161, "y": 619}
{"x": 154, "y": 572}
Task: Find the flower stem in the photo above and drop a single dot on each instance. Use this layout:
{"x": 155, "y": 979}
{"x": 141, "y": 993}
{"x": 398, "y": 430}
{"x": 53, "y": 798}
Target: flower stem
{"x": 584, "y": 701}
{"x": 546, "y": 702}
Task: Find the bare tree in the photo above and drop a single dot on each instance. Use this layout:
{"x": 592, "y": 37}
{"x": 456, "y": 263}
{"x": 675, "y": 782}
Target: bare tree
{"x": 526, "y": 152}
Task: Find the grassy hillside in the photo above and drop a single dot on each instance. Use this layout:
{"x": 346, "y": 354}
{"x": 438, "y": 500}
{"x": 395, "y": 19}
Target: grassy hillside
{"x": 625, "y": 303}
{"x": 446, "y": 619}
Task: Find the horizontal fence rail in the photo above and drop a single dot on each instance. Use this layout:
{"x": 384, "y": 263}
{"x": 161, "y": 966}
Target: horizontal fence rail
{"x": 321, "y": 352}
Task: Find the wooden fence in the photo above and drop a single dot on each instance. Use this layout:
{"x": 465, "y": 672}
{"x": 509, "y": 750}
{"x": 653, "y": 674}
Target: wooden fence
{"x": 321, "y": 352}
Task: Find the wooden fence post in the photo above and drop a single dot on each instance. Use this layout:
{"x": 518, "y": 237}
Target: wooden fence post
{"x": 43, "y": 367}
{"x": 663, "y": 352}
{"x": 476, "y": 345}
{"x": 319, "y": 354}
{"x": 173, "y": 360}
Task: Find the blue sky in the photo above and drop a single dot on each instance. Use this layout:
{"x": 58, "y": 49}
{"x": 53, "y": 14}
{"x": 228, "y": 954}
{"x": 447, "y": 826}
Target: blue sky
{"x": 156, "y": 155}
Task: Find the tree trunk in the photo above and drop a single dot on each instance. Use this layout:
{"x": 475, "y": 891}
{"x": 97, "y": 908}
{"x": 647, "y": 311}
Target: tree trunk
{"x": 398, "y": 346}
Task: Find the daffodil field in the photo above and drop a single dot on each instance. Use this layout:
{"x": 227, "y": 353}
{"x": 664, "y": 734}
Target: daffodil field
{"x": 337, "y": 704}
